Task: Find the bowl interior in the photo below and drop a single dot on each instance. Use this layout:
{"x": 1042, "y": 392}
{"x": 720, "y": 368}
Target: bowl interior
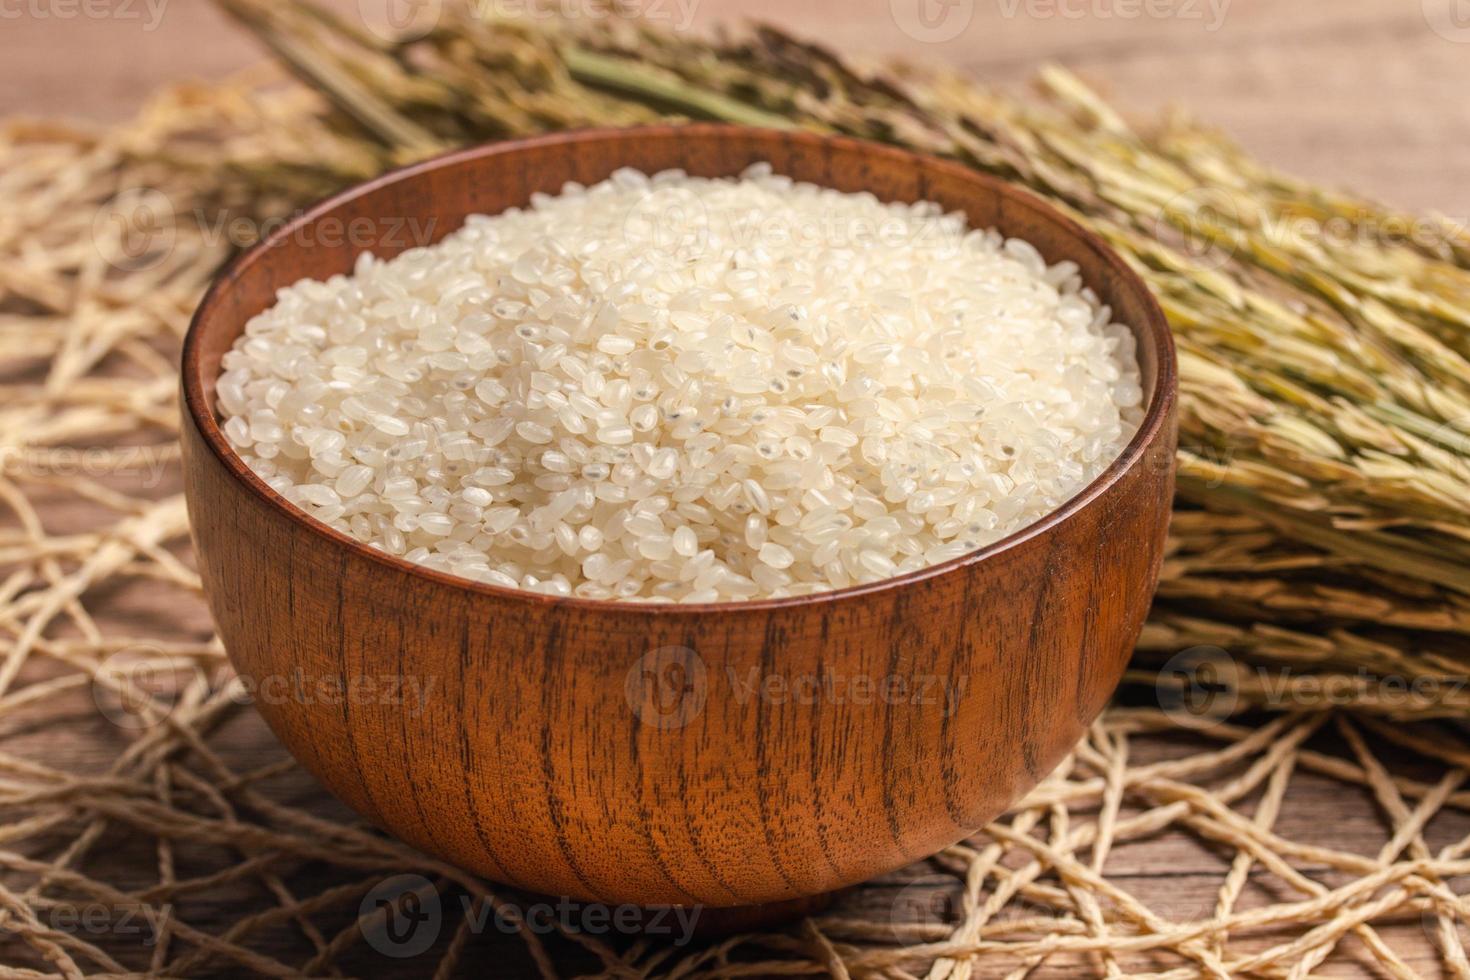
{"x": 420, "y": 204}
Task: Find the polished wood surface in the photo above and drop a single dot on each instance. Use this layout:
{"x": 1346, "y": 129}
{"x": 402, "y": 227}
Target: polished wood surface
{"x": 662, "y": 754}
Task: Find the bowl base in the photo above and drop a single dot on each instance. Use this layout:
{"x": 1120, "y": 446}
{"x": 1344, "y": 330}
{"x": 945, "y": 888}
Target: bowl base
{"x": 716, "y": 923}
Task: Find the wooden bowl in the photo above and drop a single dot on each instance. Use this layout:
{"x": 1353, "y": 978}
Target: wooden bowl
{"x": 722, "y": 755}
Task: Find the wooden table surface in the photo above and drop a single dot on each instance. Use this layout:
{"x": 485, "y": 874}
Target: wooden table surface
{"x": 1370, "y": 94}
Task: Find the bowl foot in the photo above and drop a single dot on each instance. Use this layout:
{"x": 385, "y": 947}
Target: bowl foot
{"x": 714, "y": 923}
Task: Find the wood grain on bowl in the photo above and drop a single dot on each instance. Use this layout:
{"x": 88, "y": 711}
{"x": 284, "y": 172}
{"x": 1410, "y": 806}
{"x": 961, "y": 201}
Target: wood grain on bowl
{"x": 725, "y": 755}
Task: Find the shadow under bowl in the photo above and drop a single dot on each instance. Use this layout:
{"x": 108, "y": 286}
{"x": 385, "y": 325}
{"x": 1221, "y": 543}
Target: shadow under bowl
{"x": 721, "y": 755}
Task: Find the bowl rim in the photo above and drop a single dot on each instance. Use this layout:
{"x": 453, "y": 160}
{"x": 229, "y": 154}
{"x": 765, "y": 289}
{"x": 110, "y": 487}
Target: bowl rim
{"x": 1156, "y": 416}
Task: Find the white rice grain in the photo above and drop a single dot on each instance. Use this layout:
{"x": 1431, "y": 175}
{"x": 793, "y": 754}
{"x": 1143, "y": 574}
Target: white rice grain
{"x": 678, "y": 389}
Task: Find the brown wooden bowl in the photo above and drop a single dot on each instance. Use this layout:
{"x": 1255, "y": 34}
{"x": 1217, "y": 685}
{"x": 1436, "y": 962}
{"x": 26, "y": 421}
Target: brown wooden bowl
{"x": 724, "y": 755}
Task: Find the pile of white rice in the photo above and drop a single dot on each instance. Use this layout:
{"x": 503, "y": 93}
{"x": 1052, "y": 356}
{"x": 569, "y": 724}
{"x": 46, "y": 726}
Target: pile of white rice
{"x": 692, "y": 390}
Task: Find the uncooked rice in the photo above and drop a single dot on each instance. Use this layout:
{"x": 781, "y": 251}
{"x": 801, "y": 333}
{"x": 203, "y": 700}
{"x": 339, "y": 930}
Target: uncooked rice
{"x": 686, "y": 389}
